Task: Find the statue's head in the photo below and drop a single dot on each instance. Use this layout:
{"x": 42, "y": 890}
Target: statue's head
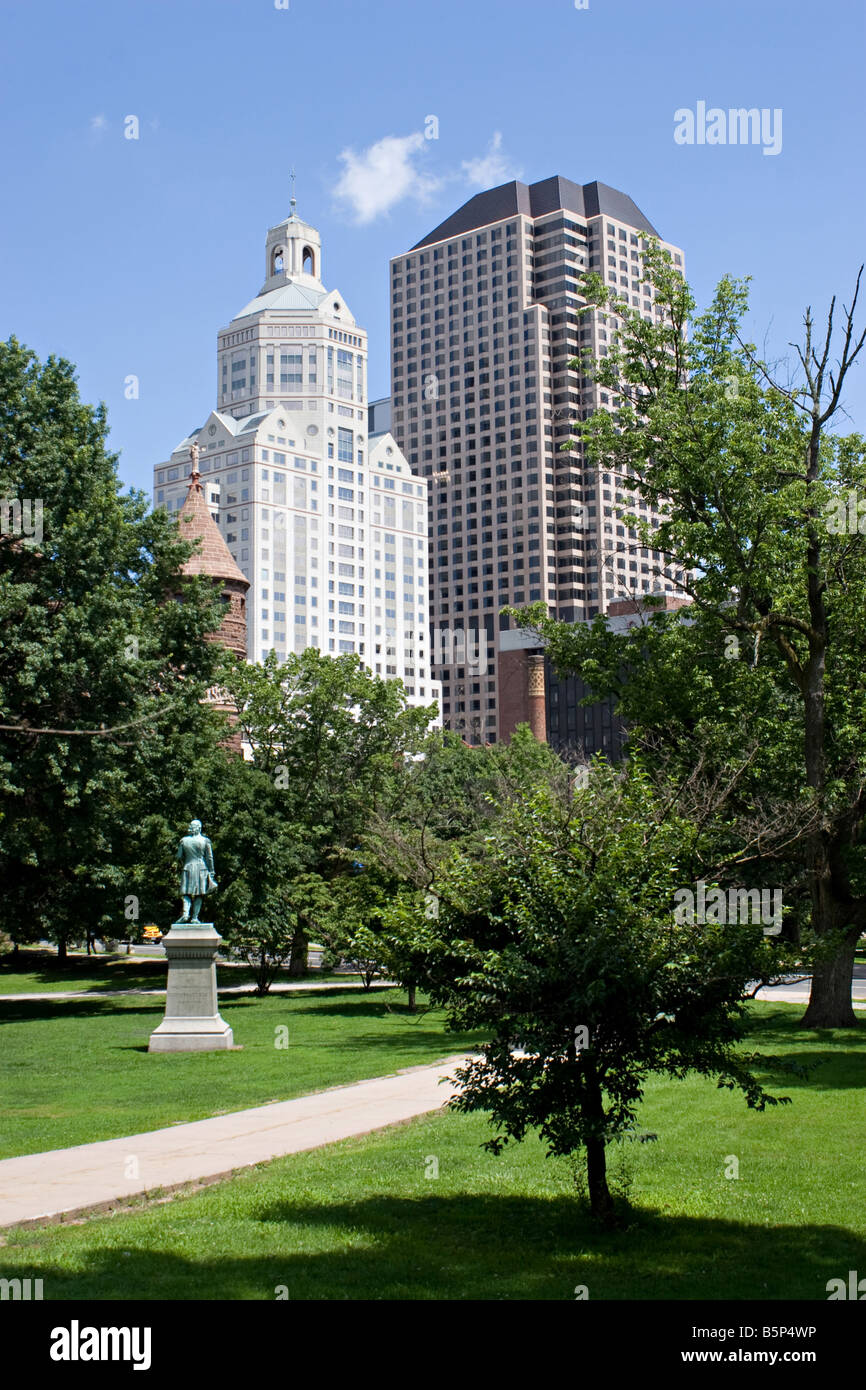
{"x": 195, "y": 827}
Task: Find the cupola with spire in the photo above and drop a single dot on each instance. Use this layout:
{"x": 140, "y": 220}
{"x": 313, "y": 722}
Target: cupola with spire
{"x": 293, "y": 252}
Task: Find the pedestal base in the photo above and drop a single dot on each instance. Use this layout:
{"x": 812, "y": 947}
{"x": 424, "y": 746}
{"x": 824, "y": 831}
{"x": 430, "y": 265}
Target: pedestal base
{"x": 188, "y": 1035}
{"x": 192, "y": 1022}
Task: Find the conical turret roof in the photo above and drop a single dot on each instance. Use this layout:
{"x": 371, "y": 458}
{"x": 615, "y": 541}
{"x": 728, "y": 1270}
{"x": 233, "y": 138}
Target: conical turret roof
{"x": 194, "y": 520}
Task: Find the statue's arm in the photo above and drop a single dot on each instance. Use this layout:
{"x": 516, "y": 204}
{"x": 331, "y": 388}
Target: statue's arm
{"x": 208, "y": 855}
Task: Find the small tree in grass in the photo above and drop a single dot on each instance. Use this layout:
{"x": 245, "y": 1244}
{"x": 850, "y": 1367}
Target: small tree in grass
{"x": 264, "y": 917}
{"x": 563, "y": 943}
{"x": 355, "y": 928}
{"x": 367, "y": 951}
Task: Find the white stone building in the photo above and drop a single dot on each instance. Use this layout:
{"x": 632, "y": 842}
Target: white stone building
{"x": 329, "y": 524}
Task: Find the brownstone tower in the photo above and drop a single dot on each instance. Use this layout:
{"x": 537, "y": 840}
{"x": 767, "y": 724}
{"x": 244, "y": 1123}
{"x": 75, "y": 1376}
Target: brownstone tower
{"x": 213, "y": 558}
{"x": 535, "y": 694}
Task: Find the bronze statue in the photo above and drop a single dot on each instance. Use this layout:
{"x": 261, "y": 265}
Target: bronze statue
{"x": 195, "y": 854}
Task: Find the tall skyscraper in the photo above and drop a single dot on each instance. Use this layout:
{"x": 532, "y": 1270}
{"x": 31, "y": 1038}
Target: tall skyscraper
{"x": 322, "y": 516}
{"x": 484, "y": 323}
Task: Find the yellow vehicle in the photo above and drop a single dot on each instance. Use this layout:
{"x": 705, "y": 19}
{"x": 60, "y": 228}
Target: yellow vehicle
{"x": 152, "y": 932}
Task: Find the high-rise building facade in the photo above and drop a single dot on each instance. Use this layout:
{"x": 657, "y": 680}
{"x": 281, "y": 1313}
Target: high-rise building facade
{"x": 322, "y": 516}
{"x": 485, "y": 320}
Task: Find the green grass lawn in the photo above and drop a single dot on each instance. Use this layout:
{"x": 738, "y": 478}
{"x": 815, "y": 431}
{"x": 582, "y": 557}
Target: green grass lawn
{"x": 361, "y": 1220}
{"x": 78, "y": 1070}
{"x": 38, "y": 972}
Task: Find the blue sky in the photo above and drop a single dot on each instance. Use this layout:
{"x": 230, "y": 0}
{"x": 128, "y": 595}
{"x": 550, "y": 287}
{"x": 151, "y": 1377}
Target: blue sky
{"x": 126, "y": 256}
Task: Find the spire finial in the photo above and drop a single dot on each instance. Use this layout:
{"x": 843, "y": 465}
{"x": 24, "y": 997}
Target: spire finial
{"x": 294, "y": 200}
{"x": 194, "y": 475}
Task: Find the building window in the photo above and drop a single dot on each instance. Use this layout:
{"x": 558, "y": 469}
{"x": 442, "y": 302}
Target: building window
{"x": 344, "y": 446}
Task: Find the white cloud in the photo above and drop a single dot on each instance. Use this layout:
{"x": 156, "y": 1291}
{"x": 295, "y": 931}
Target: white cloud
{"x": 98, "y": 123}
{"x": 373, "y": 181}
{"x": 492, "y": 168}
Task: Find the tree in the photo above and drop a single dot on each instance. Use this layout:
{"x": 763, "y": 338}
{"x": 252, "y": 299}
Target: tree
{"x": 447, "y": 796}
{"x": 564, "y": 945}
{"x": 101, "y": 672}
{"x": 367, "y": 950}
{"x": 753, "y": 481}
{"x": 329, "y": 736}
{"x": 444, "y": 800}
{"x": 263, "y": 918}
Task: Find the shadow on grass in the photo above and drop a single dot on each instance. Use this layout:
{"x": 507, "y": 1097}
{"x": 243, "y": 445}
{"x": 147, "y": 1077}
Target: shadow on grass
{"x": 841, "y": 1065}
{"x": 35, "y": 1010}
{"x": 83, "y": 981}
{"x": 783, "y": 1023}
{"x": 14, "y": 1010}
{"x": 357, "y": 1005}
{"x": 461, "y": 1247}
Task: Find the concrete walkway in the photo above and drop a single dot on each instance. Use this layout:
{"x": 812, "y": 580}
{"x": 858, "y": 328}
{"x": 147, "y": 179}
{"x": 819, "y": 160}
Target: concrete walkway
{"x": 795, "y": 989}
{"x": 286, "y": 988}
{"x": 39, "y": 1187}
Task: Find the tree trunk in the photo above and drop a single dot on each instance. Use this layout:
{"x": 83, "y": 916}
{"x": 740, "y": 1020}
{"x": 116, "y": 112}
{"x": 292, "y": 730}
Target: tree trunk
{"x": 262, "y": 981}
{"x": 830, "y": 996}
{"x": 835, "y": 911}
{"x": 834, "y": 907}
{"x": 411, "y": 990}
{"x": 600, "y": 1200}
{"x": 61, "y": 951}
{"x": 298, "y": 959}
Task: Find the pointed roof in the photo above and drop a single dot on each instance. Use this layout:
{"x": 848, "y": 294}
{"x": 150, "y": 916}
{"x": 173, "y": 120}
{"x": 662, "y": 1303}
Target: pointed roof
{"x": 194, "y": 520}
{"x": 535, "y": 200}
{"x": 287, "y": 295}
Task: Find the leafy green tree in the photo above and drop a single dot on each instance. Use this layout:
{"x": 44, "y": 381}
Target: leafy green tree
{"x": 442, "y": 801}
{"x": 756, "y": 486}
{"x": 449, "y": 796}
{"x": 563, "y": 944}
{"x": 330, "y": 737}
{"x": 101, "y": 669}
{"x": 263, "y": 916}
{"x": 368, "y": 951}
{"x": 354, "y": 926}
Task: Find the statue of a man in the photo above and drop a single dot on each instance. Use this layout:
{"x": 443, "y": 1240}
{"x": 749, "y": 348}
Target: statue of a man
{"x": 195, "y": 854}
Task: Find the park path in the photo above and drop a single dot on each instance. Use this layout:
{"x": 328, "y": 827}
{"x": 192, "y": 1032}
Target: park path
{"x": 278, "y": 988}
{"x": 39, "y": 1187}
{"x": 795, "y": 991}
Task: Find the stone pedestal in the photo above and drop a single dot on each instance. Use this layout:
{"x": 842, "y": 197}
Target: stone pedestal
{"x": 192, "y": 1022}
